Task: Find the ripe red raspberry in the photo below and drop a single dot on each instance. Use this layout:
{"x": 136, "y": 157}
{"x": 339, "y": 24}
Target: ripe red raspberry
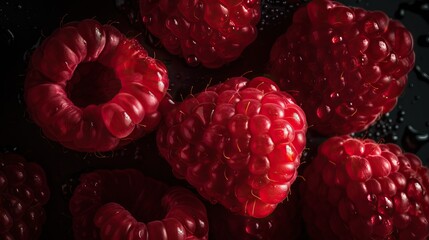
{"x": 284, "y": 223}
{"x": 238, "y": 143}
{"x": 91, "y": 89}
{"x": 208, "y": 32}
{"x": 124, "y": 204}
{"x": 23, "y": 192}
{"x": 346, "y": 66}
{"x": 358, "y": 189}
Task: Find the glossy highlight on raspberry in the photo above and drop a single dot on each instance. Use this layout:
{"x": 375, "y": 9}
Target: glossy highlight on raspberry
{"x": 93, "y": 90}
{"x": 124, "y": 204}
{"x": 284, "y": 223}
{"x": 212, "y": 33}
{"x": 23, "y": 193}
{"x": 345, "y": 66}
{"x": 358, "y": 189}
{"x": 238, "y": 143}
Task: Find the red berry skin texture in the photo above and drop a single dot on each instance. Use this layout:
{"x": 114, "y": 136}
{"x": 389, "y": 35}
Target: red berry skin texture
{"x": 93, "y": 90}
{"x": 358, "y": 189}
{"x": 284, "y": 223}
{"x": 238, "y": 143}
{"x": 345, "y": 66}
{"x": 23, "y": 193}
{"x": 208, "y": 32}
{"x": 124, "y": 205}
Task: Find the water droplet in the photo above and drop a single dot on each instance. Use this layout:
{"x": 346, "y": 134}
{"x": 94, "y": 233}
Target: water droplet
{"x": 385, "y": 205}
{"x": 420, "y": 8}
{"x": 323, "y": 112}
{"x": 375, "y": 219}
{"x": 413, "y": 140}
{"x": 334, "y": 97}
{"x": 252, "y": 227}
{"x": 371, "y": 197}
{"x": 385, "y": 129}
{"x": 192, "y": 60}
{"x": 274, "y": 12}
{"x": 401, "y": 116}
{"x": 400, "y": 13}
{"x": 171, "y": 23}
{"x": 147, "y": 19}
{"x": 336, "y": 39}
{"x": 7, "y": 149}
{"x": 421, "y": 74}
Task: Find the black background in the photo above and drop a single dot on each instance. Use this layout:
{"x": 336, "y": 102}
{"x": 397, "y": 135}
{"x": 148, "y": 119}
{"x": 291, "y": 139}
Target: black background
{"x": 25, "y": 23}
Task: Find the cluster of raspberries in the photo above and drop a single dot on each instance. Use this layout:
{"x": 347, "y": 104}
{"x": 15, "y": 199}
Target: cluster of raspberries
{"x": 239, "y": 143}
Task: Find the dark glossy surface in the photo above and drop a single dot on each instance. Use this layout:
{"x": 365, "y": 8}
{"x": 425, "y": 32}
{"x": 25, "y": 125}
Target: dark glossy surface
{"x": 24, "y": 23}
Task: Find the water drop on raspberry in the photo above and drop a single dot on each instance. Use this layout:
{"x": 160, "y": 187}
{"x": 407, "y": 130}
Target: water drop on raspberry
{"x": 385, "y": 206}
{"x": 192, "y": 60}
{"x": 323, "y": 112}
{"x": 252, "y": 227}
{"x": 336, "y": 39}
{"x": 147, "y": 19}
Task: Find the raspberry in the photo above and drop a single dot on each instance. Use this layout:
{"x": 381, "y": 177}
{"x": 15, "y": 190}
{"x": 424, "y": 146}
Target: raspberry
{"x": 23, "y": 193}
{"x": 208, "y": 32}
{"x": 345, "y": 66}
{"x": 238, "y": 143}
{"x": 358, "y": 189}
{"x": 124, "y": 204}
{"x": 283, "y": 223}
{"x": 91, "y": 89}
